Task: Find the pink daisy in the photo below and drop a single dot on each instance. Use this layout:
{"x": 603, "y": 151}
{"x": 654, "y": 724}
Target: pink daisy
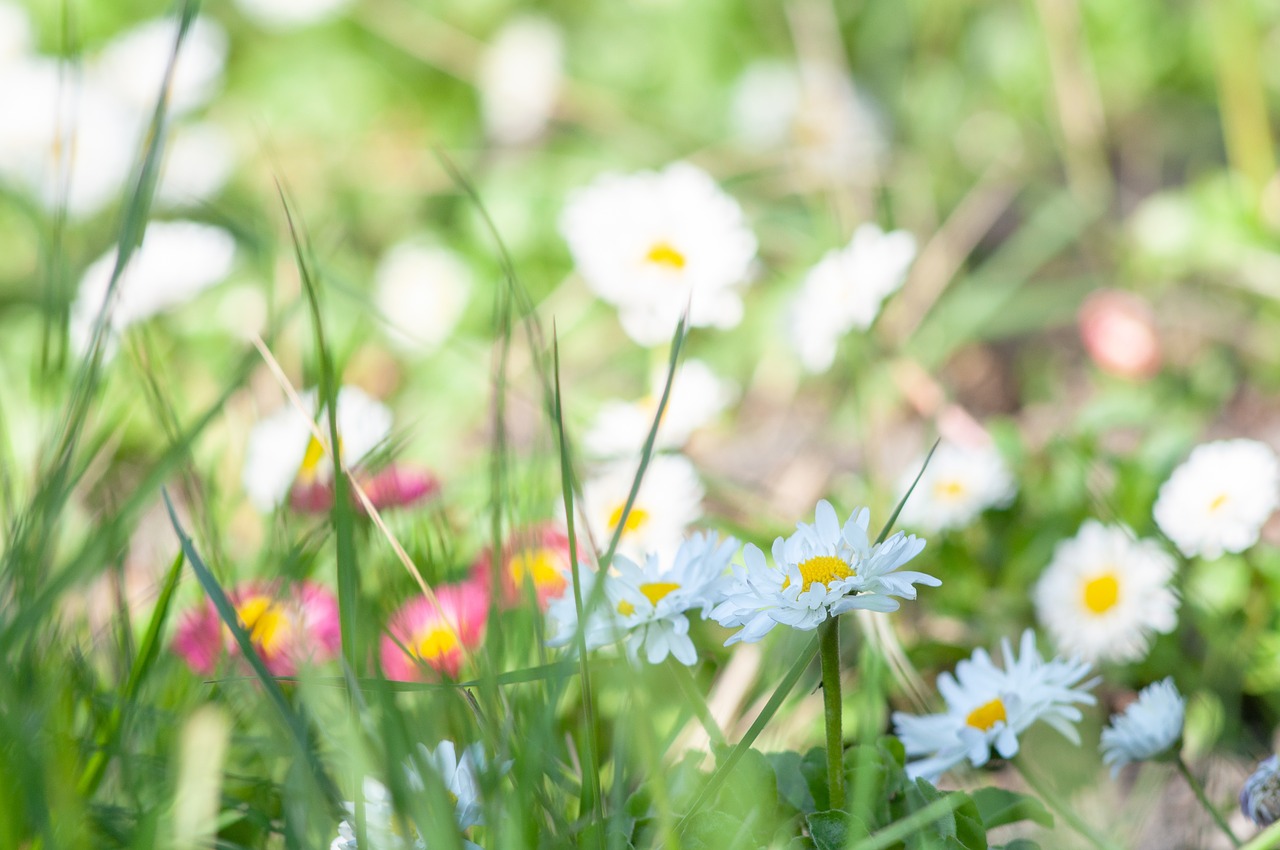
{"x": 540, "y": 555}
{"x": 425, "y": 636}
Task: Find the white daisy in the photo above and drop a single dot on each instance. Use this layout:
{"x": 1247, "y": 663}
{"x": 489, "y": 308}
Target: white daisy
{"x": 521, "y": 74}
{"x": 176, "y": 261}
{"x": 290, "y": 14}
{"x": 844, "y": 292}
{"x": 1105, "y": 592}
{"x": 1260, "y": 795}
{"x": 764, "y": 103}
{"x": 697, "y": 396}
{"x": 820, "y": 571}
{"x": 422, "y": 290}
{"x": 655, "y": 243}
{"x": 1219, "y": 498}
{"x": 989, "y": 707}
{"x": 668, "y": 502}
{"x": 1149, "y": 727}
{"x": 959, "y": 483}
{"x": 562, "y": 614}
{"x": 198, "y": 161}
{"x": 283, "y": 453}
{"x": 132, "y": 65}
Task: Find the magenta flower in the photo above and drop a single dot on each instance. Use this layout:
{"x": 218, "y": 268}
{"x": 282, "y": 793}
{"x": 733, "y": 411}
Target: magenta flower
{"x": 539, "y": 555}
{"x": 426, "y": 636}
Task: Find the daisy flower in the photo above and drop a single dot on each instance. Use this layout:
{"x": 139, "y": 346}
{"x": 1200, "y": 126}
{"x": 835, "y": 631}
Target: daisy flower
{"x": 132, "y": 65}
{"x": 287, "y": 629}
{"x": 820, "y": 571}
{"x": 521, "y": 74}
{"x": 844, "y": 292}
{"x": 697, "y": 396}
{"x": 283, "y": 455}
{"x": 959, "y": 483}
{"x": 1105, "y": 593}
{"x": 1149, "y": 727}
{"x": 1260, "y": 796}
{"x": 668, "y": 502}
{"x": 421, "y": 291}
{"x": 537, "y": 557}
{"x": 398, "y": 486}
{"x": 655, "y": 243}
{"x": 562, "y": 615}
{"x": 989, "y": 707}
{"x": 424, "y": 634}
{"x": 1219, "y": 498}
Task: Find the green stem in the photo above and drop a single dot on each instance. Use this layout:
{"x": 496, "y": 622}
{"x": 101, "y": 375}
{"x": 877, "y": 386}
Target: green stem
{"x": 1062, "y": 809}
{"x": 1198, "y": 790}
{"x": 829, "y": 650}
{"x": 1268, "y": 839}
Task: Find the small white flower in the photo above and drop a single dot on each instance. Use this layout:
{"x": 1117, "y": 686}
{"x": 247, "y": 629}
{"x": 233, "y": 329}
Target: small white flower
{"x": 562, "y": 614}
{"x": 844, "y": 292}
{"x": 668, "y": 502}
{"x": 959, "y": 483}
{"x": 290, "y": 14}
{"x": 283, "y": 451}
{"x": 1219, "y": 498}
{"x": 1105, "y": 592}
{"x": 520, "y": 78}
{"x": 989, "y": 707}
{"x": 820, "y": 571}
{"x": 1260, "y": 795}
{"x": 132, "y": 65}
{"x": 697, "y": 396}
{"x": 422, "y": 290}
{"x": 1149, "y": 727}
{"x": 198, "y": 161}
{"x": 656, "y": 243}
{"x": 176, "y": 261}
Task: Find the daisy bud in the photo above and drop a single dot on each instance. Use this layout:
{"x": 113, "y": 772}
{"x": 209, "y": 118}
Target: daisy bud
{"x": 1260, "y": 796}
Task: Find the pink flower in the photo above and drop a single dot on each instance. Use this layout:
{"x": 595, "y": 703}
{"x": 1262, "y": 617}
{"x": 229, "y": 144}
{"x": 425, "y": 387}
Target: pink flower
{"x": 1119, "y": 332}
{"x": 540, "y": 555}
{"x": 423, "y": 634}
{"x": 393, "y": 487}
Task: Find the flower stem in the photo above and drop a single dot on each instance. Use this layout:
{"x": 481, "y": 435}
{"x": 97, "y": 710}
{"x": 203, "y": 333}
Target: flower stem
{"x": 829, "y": 650}
{"x": 1060, "y": 808}
{"x": 1198, "y": 790}
{"x": 1268, "y": 839}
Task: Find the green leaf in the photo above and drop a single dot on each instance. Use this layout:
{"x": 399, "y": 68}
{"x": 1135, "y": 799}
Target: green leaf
{"x": 833, "y": 830}
{"x": 970, "y": 830}
{"x": 1018, "y": 844}
{"x": 712, "y": 830}
{"x": 793, "y": 786}
{"x": 998, "y": 807}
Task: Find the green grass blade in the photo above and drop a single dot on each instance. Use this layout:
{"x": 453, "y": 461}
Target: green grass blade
{"x": 893, "y": 517}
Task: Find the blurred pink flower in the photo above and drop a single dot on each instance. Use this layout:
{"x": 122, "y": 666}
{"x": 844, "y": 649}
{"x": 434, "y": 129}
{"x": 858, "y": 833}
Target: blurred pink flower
{"x": 538, "y": 554}
{"x": 424, "y": 634}
{"x": 1119, "y": 332}
{"x": 393, "y": 487}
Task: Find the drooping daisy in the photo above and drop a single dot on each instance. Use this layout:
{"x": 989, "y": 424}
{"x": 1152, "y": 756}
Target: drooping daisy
{"x": 959, "y": 483}
{"x": 536, "y": 557}
{"x": 656, "y": 243}
{"x": 521, "y": 74}
{"x": 132, "y": 65}
{"x": 1219, "y": 498}
{"x": 1149, "y": 727}
{"x": 1105, "y": 592}
{"x": 425, "y": 636}
{"x": 669, "y": 501}
{"x": 291, "y": 14}
{"x": 288, "y": 628}
{"x": 422, "y": 290}
{"x": 844, "y": 291}
{"x": 820, "y": 571}
{"x": 989, "y": 707}
{"x": 283, "y": 456}
{"x": 697, "y": 396}
{"x": 1260, "y": 795}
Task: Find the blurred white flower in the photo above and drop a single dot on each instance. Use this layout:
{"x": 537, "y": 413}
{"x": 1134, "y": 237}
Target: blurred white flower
{"x": 198, "y": 161}
{"x": 990, "y": 707}
{"x": 291, "y": 14}
{"x": 654, "y": 243}
{"x": 1105, "y": 592}
{"x": 176, "y": 261}
{"x": 668, "y": 502}
{"x": 521, "y": 74}
{"x": 15, "y": 33}
{"x": 764, "y": 102}
{"x": 959, "y": 483}
{"x": 282, "y": 451}
{"x": 132, "y": 65}
{"x": 844, "y": 291}
{"x": 697, "y": 396}
{"x": 820, "y": 571}
{"x": 422, "y": 290}
{"x": 1219, "y": 498}
{"x": 1149, "y": 727}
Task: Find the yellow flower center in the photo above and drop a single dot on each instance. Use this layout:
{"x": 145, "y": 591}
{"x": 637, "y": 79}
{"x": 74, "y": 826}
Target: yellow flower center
{"x": 635, "y": 520}
{"x": 312, "y": 459}
{"x": 948, "y": 490}
{"x": 1217, "y": 503}
{"x": 267, "y": 623}
{"x": 436, "y": 643}
{"x": 656, "y": 590}
{"x": 541, "y": 565}
{"x": 823, "y": 569}
{"x": 987, "y": 715}
{"x": 665, "y": 255}
{"x": 625, "y": 608}
{"x": 1102, "y": 593}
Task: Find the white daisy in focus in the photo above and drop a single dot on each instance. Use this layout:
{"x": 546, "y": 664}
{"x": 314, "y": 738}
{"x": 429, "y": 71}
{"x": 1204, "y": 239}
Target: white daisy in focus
{"x": 820, "y": 571}
{"x": 283, "y": 453}
{"x": 422, "y": 290}
{"x": 1149, "y": 727}
{"x": 290, "y": 14}
{"x": 1105, "y": 593}
{"x": 198, "y": 161}
{"x": 959, "y": 483}
{"x": 1219, "y": 498}
{"x": 697, "y": 396}
{"x": 988, "y": 707}
{"x": 844, "y": 291}
{"x": 654, "y": 243}
{"x": 176, "y": 261}
{"x": 521, "y": 74}
{"x": 132, "y": 65}
{"x": 668, "y": 502}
